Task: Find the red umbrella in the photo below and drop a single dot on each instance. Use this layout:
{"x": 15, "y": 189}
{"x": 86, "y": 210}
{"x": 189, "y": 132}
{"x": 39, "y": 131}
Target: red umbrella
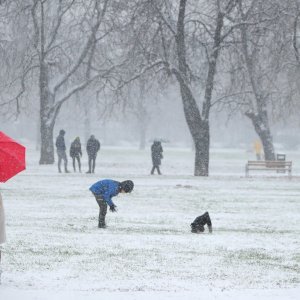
{"x": 12, "y": 157}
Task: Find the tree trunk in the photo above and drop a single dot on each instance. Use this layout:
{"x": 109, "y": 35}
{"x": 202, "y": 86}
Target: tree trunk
{"x": 267, "y": 143}
{"x": 47, "y": 147}
{"x": 199, "y": 130}
{"x": 261, "y": 125}
{"x": 47, "y": 125}
{"x": 198, "y": 127}
{"x": 46, "y": 118}
{"x": 46, "y": 102}
{"x": 202, "y": 150}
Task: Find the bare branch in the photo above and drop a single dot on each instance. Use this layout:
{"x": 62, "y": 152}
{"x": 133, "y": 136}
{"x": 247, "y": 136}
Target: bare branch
{"x": 162, "y": 17}
{"x": 35, "y": 24}
{"x": 143, "y": 71}
{"x": 88, "y": 45}
{"x": 60, "y": 13}
{"x": 220, "y": 99}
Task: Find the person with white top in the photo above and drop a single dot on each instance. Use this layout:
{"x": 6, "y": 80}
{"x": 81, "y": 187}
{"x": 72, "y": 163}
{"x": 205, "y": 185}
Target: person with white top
{"x": 2, "y": 230}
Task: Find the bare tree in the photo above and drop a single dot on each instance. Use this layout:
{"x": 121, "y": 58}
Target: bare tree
{"x": 65, "y": 51}
{"x": 253, "y": 41}
{"x": 257, "y": 60}
{"x": 54, "y": 91}
{"x": 208, "y": 30}
{"x": 14, "y": 62}
{"x": 184, "y": 39}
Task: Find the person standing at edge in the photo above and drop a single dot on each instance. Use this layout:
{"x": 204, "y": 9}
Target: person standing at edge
{"x": 104, "y": 190}
{"x": 2, "y": 229}
{"x": 156, "y": 154}
{"x": 76, "y": 153}
{"x": 92, "y": 147}
{"x": 61, "y": 151}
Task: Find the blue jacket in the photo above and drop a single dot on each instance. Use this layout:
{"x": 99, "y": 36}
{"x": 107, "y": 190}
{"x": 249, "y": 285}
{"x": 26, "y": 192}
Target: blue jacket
{"x": 107, "y": 189}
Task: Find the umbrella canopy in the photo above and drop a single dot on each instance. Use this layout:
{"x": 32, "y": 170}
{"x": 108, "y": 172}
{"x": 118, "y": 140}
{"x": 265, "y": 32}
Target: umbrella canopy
{"x": 12, "y": 157}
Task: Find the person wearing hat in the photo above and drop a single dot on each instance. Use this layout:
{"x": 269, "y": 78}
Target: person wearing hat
{"x": 92, "y": 148}
{"x": 156, "y": 154}
{"x": 76, "y": 153}
{"x": 103, "y": 191}
{"x": 61, "y": 150}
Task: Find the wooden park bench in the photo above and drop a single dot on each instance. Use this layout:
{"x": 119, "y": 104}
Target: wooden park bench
{"x": 276, "y": 165}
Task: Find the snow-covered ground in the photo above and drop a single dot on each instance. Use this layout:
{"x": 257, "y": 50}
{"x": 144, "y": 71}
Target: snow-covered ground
{"x": 55, "y": 250}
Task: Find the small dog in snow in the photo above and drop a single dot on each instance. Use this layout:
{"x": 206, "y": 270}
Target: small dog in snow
{"x": 198, "y": 225}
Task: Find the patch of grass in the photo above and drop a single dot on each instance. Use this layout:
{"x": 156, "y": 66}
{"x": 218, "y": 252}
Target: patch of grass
{"x": 254, "y": 256}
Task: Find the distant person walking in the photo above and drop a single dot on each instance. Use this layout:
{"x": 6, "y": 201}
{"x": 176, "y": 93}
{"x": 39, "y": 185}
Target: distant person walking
{"x": 92, "y": 148}
{"x": 76, "y": 153}
{"x": 104, "y": 190}
{"x": 156, "y": 154}
{"x": 2, "y": 230}
{"x": 61, "y": 151}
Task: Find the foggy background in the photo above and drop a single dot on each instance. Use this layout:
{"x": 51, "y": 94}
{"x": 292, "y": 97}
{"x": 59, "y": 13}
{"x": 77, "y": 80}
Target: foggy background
{"x": 120, "y": 127}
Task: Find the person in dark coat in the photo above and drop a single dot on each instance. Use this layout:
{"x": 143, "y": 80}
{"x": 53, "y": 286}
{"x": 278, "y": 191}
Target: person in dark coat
{"x": 198, "y": 225}
{"x": 92, "y": 147}
{"x": 103, "y": 191}
{"x": 76, "y": 153}
{"x": 61, "y": 150}
{"x": 156, "y": 153}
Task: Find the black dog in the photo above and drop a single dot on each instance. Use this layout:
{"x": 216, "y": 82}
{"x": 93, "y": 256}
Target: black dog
{"x": 198, "y": 224}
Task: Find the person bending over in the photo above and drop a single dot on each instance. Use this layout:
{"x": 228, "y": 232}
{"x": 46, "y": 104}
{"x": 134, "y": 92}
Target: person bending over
{"x": 103, "y": 191}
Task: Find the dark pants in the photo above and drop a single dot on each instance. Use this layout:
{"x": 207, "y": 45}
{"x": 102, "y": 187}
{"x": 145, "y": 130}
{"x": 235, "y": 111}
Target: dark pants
{"x": 62, "y": 156}
{"x": 92, "y": 163}
{"x": 102, "y": 210}
{"x": 153, "y": 169}
{"x": 199, "y": 222}
{"x": 76, "y": 157}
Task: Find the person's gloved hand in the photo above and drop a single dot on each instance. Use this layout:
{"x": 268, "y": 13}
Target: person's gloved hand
{"x": 113, "y": 208}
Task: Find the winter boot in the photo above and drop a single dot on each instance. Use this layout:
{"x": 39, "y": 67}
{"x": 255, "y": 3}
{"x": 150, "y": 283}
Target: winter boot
{"x": 158, "y": 170}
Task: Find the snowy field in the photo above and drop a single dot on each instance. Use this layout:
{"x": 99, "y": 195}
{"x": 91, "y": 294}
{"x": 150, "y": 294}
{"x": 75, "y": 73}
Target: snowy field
{"x": 55, "y": 250}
